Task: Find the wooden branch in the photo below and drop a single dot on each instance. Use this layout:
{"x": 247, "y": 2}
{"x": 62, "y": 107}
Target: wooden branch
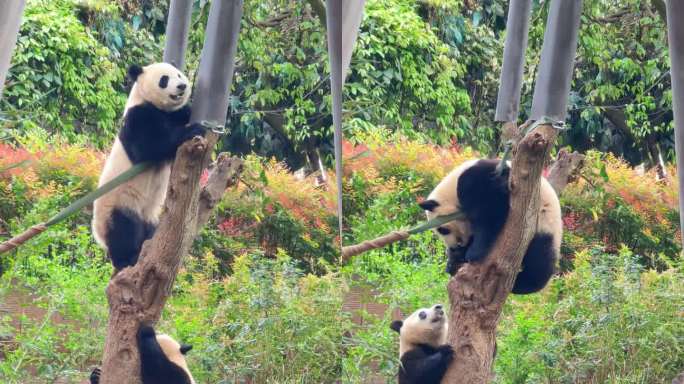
{"x": 564, "y": 170}
{"x": 273, "y": 21}
{"x": 21, "y": 238}
{"x": 478, "y": 291}
{"x": 319, "y": 9}
{"x": 222, "y": 174}
{"x": 379, "y": 242}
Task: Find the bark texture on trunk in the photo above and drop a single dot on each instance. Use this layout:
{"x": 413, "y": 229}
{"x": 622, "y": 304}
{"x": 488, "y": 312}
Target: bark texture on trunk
{"x": 138, "y": 294}
{"x": 478, "y": 291}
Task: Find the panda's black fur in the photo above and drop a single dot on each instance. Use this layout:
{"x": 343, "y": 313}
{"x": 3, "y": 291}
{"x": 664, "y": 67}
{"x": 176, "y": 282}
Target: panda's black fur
{"x": 425, "y": 364}
{"x": 483, "y": 195}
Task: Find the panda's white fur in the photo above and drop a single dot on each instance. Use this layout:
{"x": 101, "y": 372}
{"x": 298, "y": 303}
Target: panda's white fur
{"x": 155, "y": 124}
{"x": 483, "y": 187}
{"x": 423, "y": 351}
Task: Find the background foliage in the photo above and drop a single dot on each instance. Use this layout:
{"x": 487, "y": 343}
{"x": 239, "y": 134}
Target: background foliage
{"x": 429, "y": 69}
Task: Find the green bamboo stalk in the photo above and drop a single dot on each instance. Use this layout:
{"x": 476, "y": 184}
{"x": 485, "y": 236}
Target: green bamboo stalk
{"x": 73, "y": 207}
{"x": 394, "y": 236}
{"x": 436, "y": 222}
{"x": 94, "y": 195}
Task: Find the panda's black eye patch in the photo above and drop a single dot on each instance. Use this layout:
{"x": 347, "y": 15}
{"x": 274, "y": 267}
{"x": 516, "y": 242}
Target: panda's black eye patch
{"x": 443, "y": 231}
{"x": 163, "y": 82}
{"x": 422, "y": 315}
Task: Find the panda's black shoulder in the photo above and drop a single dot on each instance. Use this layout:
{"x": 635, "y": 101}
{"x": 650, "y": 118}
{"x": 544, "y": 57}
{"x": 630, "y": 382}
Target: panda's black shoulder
{"x": 181, "y": 116}
{"x": 144, "y": 112}
{"x": 481, "y": 183}
{"x": 148, "y": 114}
{"x": 419, "y": 352}
{"x": 483, "y": 172}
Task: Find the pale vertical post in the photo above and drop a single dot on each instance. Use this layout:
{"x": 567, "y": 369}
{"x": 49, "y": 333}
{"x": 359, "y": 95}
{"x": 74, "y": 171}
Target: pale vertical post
{"x": 177, "y": 28}
{"x": 333, "y": 11}
{"x": 512, "y": 70}
{"x": 675, "y": 35}
{"x": 10, "y": 20}
{"x": 552, "y": 86}
{"x": 215, "y": 75}
{"x": 352, "y": 13}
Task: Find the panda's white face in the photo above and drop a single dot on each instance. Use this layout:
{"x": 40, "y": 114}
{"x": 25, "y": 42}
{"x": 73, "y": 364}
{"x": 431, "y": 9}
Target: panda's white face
{"x": 455, "y": 233}
{"x": 424, "y": 326}
{"x": 163, "y": 85}
{"x": 443, "y": 200}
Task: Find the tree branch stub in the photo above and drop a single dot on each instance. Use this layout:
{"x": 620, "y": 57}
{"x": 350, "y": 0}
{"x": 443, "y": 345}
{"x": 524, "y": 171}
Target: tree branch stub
{"x": 564, "y": 170}
{"x": 223, "y": 173}
{"x": 479, "y": 290}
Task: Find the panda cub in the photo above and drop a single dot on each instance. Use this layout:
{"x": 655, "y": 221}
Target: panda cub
{"x": 423, "y": 351}
{"x": 162, "y": 359}
{"x": 475, "y": 189}
{"x": 155, "y": 124}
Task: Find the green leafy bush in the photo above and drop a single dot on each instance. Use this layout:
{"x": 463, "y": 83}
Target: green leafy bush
{"x": 608, "y": 320}
{"x": 268, "y": 322}
{"x": 61, "y": 77}
{"x": 403, "y": 77}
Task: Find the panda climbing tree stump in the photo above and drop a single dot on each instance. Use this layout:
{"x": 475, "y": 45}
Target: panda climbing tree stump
{"x": 478, "y": 291}
{"x": 137, "y": 294}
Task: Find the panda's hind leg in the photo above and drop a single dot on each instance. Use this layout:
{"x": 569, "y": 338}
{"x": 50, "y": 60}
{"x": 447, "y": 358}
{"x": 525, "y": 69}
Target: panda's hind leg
{"x": 538, "y": 265}
{"x": 126, "y": 233}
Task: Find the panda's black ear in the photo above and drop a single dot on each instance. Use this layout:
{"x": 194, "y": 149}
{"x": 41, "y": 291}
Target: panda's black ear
{"x": 396, "y": 325}
{"x": 185, "y": 348}
{"x": 134, "y": 71}
{"x": 429, "y": 205}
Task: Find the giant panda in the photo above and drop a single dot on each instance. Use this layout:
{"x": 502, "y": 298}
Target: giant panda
{"x": 477, "y": 190}
{"x": 423, "y": 351}
{"x": 155, "y": 124}
{"x": 162, "y": 359}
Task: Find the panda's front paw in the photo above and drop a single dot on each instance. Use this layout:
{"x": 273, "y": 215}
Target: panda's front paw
{"x": 195, "y": 129}
{"x": 95, "y": 376}
{"x": 452, "y": 266}
{"x": 455, "y": 258}
{"x": 474, "y": 254}
{"x": 447, "y": 351}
